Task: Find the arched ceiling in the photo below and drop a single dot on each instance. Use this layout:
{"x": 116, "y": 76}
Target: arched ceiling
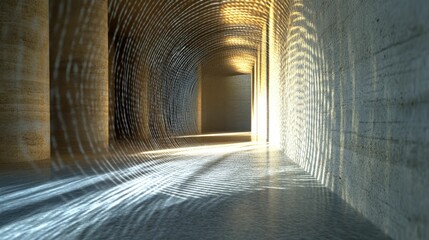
{"x": 157, "y": 46}
{"x": 225, "y": 32}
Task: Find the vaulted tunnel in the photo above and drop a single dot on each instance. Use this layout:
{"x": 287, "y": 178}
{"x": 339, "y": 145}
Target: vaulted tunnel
{"x": 214, "y": 119}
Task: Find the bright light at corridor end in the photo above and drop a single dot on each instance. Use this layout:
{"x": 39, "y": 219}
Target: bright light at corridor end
{"x": 242, "y": 65}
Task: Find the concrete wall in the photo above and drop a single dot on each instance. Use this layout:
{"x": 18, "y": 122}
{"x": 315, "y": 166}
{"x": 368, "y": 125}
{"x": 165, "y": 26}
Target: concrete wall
{"x": 354, "y": 95}
{"x": 226, "y": 103}
{"x": 79, "y": 76}
{"x": 24, "y": 81}
{"x": 237, "y": 107}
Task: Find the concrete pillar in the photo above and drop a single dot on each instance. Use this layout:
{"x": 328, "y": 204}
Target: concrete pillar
{"x": 79, "y": 76}
{"x": 273, "y": 79}
{"x": 24, "y": 81}
{"x": 262, "y": 97}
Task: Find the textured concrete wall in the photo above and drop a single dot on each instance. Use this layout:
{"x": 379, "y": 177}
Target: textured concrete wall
{"x": 24, "y": 81}
{"x": 226, "y": 103}
{"x": 129, "y": 90}
{"x": 354, "y": 84}
{"x": 79, "y": 76}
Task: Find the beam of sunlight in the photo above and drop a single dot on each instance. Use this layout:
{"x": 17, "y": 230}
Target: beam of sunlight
{"x": 54, "y": 209}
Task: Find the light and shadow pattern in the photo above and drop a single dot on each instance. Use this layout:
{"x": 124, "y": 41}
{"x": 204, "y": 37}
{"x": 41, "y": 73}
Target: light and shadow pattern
{"x": 219, "y": 191}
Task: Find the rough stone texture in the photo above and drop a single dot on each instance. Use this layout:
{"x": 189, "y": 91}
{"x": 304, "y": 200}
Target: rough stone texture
{"x": 354, "y": 84}
{"x": 79, "y": 76}
{"x": 24, "y": 81}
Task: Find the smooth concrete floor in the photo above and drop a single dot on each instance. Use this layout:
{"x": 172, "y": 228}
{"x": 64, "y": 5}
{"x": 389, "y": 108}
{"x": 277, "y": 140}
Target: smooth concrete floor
{"x": 229, "y": 190}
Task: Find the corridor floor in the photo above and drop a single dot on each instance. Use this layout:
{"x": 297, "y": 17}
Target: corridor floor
{"x": 229, "y": 190}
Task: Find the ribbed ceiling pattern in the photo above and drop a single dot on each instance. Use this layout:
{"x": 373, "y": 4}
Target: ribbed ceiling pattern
{"x": 156, "y": 47}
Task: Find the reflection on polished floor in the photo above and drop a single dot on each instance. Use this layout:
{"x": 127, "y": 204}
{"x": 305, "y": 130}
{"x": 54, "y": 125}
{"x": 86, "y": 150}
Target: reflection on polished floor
{"x": 226, "y": 190}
